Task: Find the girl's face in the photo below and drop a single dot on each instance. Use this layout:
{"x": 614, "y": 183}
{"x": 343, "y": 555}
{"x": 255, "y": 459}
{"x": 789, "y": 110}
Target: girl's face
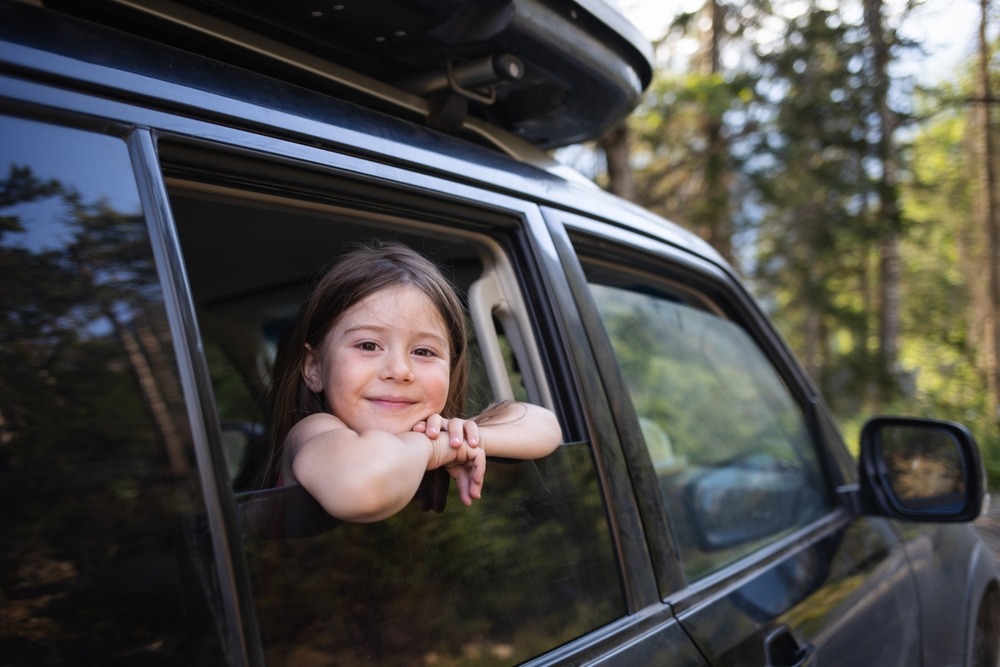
{"x": 385, "y": 364}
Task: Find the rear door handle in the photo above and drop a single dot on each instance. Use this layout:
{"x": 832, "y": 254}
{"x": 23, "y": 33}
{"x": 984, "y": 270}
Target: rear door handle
{"x": 782, "y": 649}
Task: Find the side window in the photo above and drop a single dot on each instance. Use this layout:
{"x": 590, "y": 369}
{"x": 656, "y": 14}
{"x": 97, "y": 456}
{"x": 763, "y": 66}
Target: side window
{"x": 527, "y": 568}
{"x": 104, "y": 554}
{"x": 735, "y": 461}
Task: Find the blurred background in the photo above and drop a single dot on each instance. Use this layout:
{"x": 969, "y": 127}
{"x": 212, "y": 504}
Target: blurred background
{"x": 842, "y": 155}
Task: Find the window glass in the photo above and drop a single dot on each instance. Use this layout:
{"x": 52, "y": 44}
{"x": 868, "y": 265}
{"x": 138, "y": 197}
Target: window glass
{"x": 528, "y": 567}
{"x": 525, "y": 569}
{"x": 104, "y": 558}
{"x": 735, "y": 461}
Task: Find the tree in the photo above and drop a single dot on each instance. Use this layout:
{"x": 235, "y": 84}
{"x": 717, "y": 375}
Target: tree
{"x": 987, "y": 213}
{"x": 814, "y": 229}
{"x": 679, "y": 140}
{"x": 879, "y": 39}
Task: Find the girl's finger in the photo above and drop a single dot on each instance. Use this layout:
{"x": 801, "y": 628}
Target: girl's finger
{"x": 477, "y": 474}
{"x": 471, "y": 433}
{"x": 455, "y": 432}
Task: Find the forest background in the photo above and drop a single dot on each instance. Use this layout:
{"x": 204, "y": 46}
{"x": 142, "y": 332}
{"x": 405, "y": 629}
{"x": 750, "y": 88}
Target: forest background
{"x": 806, "y": 142}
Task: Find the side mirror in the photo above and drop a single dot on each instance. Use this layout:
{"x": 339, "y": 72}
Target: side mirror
{"x": 921, "y": 470}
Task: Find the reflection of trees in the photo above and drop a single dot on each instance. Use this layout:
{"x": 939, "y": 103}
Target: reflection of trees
{"x": 698, "y": 379}
{"x": 528, "y": 567}
{"x": 922, "y": 464}
{"x": 703, "y": 387}
{"x": 63, "y": 299}
{"x": 88, "y": 504}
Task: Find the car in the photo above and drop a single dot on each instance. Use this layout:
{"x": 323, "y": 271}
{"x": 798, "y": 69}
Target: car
{"x": 177, "y": 172}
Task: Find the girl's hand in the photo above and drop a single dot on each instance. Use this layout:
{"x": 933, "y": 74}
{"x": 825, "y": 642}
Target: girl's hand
{"x": 465, "y": 464}
{"x": 469, "y": 473}
{"x": 460, "y": 431}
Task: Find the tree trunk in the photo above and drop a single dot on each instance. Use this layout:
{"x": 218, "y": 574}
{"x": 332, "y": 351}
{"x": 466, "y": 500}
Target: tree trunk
{"x": 615, "y": 145}
{"x": 712, "y": 215}
{"x": 889, "y": 219}
{"x": 988, "y": 216}
{"x": 890, "y": 311}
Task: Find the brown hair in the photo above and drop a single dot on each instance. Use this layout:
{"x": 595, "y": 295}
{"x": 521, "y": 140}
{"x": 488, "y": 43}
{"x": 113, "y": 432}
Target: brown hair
{"x": 367, "y": 269}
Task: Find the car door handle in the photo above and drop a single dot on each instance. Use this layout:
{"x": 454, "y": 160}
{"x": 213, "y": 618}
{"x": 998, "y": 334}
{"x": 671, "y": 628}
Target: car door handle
{"x": 782, "y": 649}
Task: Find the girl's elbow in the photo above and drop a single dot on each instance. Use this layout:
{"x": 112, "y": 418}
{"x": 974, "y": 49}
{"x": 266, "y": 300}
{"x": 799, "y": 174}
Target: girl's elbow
{"x": 554, "y": 441}
{"x": 554, "y": 430}
{"x": 350, "y": 498}
{"x": 551, "y": 435}
{"x": 359, "y": 505}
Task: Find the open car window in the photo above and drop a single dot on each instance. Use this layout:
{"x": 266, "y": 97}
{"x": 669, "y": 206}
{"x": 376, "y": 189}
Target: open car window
{"x": 251, "y": 257}
{"x": 536, "y": 549}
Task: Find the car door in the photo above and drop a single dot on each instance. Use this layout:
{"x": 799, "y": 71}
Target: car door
{"x": 551, "y": 566}
{"x": 775, "y": 571}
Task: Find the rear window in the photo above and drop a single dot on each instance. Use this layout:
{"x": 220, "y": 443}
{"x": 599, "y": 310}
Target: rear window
{"x": 105, "y": 559}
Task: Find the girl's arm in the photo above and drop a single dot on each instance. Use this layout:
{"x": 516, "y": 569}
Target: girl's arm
{"x": 509, "y": 430}
{"x": 520, "y": 431}
{"x": 371, "y": 475}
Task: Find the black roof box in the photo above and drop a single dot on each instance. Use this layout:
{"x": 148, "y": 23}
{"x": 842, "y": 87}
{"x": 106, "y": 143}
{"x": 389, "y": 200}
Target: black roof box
{"x": 552, "y": 72}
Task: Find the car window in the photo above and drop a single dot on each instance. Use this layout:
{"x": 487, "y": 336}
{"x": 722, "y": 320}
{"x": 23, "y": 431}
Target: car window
{"x": 735, "y": 461}
{"x": 527, "y": 568}
{"x": 104, "y": 554}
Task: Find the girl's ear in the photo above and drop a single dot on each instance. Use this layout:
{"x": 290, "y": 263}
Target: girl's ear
{"x": 311, "y": 372}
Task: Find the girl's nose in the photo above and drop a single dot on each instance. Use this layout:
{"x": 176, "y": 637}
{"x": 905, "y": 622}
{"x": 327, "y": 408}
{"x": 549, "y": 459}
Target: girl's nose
{"x": 397, "y": 367}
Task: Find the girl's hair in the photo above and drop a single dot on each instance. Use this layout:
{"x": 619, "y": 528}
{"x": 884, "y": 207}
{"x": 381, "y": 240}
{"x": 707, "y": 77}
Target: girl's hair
{"x": 365, "y": 270}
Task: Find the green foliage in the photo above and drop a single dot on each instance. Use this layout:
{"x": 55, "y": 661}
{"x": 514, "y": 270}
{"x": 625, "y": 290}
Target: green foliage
{"x": 799, "y": 98}
{"x": 939, "y": 349}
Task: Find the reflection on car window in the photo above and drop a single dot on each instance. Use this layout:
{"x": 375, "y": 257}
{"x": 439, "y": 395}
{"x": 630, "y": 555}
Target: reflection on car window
{"x": 102, "y": 552}
{"x": 730, "y": 446}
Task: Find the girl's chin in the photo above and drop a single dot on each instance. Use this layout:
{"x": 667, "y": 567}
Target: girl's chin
{"x": 390, "y": 425}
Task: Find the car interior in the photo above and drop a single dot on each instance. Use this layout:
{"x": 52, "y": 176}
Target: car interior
{"x": 250, "y": 257}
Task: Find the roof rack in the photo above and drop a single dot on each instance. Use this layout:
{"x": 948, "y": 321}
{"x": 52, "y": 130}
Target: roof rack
{"x": 549, "y": 72}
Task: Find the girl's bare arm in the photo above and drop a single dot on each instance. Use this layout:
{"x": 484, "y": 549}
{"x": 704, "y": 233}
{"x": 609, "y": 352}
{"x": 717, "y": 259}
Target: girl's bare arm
{"x": 514, "y": 430}
{"x": 372, "y": 475}
{"x": 520, "y": 431}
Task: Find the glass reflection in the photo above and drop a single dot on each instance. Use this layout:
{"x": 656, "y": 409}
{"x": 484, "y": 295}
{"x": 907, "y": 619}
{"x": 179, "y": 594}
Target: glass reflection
{"x": 96, "y": 487}
{"x": 922, "y": 464}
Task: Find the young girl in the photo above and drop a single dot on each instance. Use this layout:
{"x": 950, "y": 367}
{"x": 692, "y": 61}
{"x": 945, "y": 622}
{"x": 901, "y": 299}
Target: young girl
{"x": 368, "y": 392}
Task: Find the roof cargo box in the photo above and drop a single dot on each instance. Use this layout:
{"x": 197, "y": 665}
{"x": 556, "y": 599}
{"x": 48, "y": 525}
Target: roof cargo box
{"x": 552, "y": 72}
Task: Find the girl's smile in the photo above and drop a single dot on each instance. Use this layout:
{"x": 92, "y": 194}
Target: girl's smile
{"x": 385, "y": 364}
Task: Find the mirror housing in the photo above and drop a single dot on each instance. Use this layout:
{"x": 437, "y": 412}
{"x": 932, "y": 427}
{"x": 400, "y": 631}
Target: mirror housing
{"x": 920, "y": 470}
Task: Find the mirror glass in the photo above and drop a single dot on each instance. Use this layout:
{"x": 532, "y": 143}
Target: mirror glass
{"x": 924, "y": 467}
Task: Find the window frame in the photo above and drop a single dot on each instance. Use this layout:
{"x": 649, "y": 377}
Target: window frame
{"x": 497, "y": 233}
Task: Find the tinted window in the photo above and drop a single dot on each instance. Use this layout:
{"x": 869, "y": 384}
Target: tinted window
{"x": 735, "y": 461}
{"x": 525, "y": 569}
{"x": 103, "y": 559}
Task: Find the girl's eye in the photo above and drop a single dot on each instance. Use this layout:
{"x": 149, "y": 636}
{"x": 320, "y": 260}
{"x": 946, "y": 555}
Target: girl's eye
{"x": 367, "y": 346}
{"x": 424, "y": 352}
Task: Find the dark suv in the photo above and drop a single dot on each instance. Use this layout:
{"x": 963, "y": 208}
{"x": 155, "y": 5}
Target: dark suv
{"x": 176, "y": 171}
